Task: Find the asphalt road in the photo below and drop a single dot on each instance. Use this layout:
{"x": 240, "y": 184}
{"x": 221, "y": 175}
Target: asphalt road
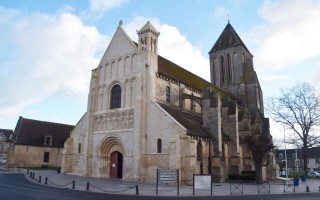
{"x": 16, "y": 187}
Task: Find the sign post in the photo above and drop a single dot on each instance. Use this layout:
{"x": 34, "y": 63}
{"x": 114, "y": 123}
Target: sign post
{"x": 167, "y": 176}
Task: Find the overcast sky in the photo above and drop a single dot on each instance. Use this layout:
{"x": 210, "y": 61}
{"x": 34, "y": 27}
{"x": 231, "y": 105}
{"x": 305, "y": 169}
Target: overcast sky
{"x": 48, "y": 48}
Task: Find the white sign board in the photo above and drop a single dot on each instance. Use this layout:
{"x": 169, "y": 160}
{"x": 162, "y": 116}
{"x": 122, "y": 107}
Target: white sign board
{"x": 202, "y": 181}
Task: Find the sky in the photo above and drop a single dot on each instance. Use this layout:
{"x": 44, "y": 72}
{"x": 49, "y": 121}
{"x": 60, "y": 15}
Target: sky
{"x": 48, "y": 48}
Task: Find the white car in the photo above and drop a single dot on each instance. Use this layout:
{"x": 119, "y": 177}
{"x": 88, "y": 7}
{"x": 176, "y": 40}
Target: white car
{"x": 3, "y": 161}
{"x": 314, "y": 174}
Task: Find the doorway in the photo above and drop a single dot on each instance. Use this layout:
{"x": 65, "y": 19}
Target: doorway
{"x": 116, "y": 165}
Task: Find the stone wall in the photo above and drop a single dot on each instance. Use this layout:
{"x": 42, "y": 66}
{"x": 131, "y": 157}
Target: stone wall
{"x": 32, "y": 156}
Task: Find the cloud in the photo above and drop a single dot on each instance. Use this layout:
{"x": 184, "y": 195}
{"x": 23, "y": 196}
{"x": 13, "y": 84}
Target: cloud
{"x": 289, "y": 34}
{"x": 98, "y": 7}
{"x": 174, "y": 46}
{"x": 103, "y": 5}
{"x": 51, "y": 55}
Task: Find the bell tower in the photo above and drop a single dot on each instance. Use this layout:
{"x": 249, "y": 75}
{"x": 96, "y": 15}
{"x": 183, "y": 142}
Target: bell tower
{"x": 231, "y": 68}
{"x": 148, "y": 38}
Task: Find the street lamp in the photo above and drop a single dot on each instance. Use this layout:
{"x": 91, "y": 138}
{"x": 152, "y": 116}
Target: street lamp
{"x": 285, "y": 150}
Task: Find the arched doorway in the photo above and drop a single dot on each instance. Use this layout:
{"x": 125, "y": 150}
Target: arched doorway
{"x": 116, "y": 165}
{"x": 111, "y": 158}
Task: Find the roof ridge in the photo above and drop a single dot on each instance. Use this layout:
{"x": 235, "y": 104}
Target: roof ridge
{"x": 47, "y": 122}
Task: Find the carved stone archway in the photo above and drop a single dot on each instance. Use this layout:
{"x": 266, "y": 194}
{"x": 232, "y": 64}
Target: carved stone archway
{"x": 111, "y": 158}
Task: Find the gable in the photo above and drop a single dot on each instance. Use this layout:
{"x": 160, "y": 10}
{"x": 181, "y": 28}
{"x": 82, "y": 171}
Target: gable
{"x": 120, "y": 45}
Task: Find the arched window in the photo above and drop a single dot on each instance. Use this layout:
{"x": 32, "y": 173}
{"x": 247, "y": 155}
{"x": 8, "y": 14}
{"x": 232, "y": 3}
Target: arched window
{"x": 192, "y": 106}
{"x": 229, "y": 68}
{"x": 199, "y": 151}
{"x": 168, "y": 94}
{"x": 222, "y": 69}
{"x": 159, "y": 146}
{"x": 79, "y": 148}
{"x": 115, "y": 100}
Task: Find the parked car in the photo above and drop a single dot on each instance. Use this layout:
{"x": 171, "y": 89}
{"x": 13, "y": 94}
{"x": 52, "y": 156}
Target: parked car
{"x": 3, "y": 161}
{"x": 313, "y": 174}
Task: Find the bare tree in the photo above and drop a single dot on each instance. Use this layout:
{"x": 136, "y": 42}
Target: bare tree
{"x": 259, "y": 142}
{"x": 298, "y": 109}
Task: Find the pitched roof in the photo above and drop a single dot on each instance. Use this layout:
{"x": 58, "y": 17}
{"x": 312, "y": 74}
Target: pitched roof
{"x": 191, "y": 121}
{"x": 174, "y": 71}
{"x": 314, "y": 152}
{"x": 228, "y": 38}
{"x": 290, "y": 153}
{"x": 7, "y": 133}
{"x": 148, "y": 26}
{"x": 33, "y": 132}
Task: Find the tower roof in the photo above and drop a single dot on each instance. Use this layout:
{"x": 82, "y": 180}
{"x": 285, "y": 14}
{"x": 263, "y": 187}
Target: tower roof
{"x": 147, "y": 26}
{"x": 228, "y": 38}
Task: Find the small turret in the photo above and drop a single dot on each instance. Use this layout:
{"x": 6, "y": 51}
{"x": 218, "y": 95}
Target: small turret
{"x": 148, "y": 38}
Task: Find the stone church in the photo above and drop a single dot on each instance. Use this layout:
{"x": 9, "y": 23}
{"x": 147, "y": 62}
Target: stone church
{"x": 146, "y": 113}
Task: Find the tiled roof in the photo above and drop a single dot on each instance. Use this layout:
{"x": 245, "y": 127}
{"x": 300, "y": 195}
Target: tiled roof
{"x": 7, "y": 133}
{"x": 191, "y": 121}
{"x": 174, "y": 71}
{"x": 228, "y": 38}
{"x": 314, "y": 152}
{"x": 33, "y": 132}
{"x": 290, "y": 153}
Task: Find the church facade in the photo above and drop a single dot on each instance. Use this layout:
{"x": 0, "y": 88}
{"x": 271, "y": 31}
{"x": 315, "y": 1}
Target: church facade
{"x": 145, "y": 113}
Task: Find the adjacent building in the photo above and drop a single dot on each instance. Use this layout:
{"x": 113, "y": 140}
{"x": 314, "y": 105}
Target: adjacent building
{"x": 38, "y": 143}
{"x": 146, "y": 112}
{"x": 294, "y": 159}
{"x": 6, "y": 139}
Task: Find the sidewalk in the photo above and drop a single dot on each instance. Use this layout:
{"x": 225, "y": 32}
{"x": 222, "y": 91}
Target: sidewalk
{"x": 116, "y": 186}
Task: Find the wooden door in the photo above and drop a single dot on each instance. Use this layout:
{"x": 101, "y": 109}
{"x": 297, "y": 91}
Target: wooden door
{"x": 116, "y": 165}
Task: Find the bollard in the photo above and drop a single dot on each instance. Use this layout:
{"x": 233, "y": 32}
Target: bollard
{"x": 31, "y": 177}
{"x": 46, "y": 181}
{"x": 137, "y": 189}
{"x": 307, "y": 189}
{"x": 27, "y": 171}
{"x": 88, "y": 185}
{"x": 39, "y": 179}
{"x": 73, "y": 184}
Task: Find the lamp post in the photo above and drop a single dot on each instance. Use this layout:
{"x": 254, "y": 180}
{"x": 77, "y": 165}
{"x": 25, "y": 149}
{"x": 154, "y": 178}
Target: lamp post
{"x": 285, "y": 151}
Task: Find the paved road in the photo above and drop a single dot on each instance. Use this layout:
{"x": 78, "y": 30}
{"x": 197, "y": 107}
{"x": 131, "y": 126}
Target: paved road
{"x": 15, "y": 186}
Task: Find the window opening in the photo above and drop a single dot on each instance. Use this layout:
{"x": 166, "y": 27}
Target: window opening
{"x": 79, "y": 148}
{"x": 168, "y": 95}
{"x": 115, "y": 97}
{"x": 48, "y": 140}
{"x": 46, "y": 157}
{"x": 159, "y": 146}
{"x": 199, "y": 151}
